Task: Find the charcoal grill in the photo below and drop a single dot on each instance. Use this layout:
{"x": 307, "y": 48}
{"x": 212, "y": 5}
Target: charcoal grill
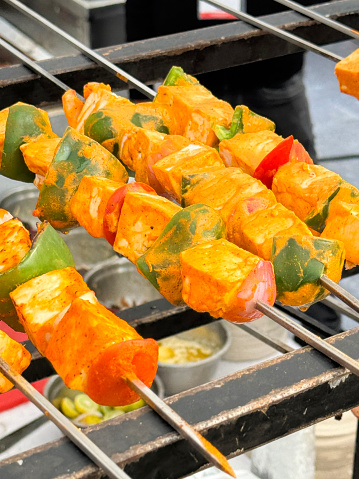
{"x": 246, "y": 409}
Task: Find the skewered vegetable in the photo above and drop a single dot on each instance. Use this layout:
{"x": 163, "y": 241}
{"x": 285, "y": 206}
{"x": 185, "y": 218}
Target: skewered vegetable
{"x": 75, "y": 157}
{"x": 48, "y": 252}
{"x": 16, "y": 355}
{"x": 161, "y": 264}
{"x": 21, "y": 123}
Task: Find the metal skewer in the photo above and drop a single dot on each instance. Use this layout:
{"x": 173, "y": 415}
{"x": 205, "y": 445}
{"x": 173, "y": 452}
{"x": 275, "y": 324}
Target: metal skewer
{"x": 34, "y": 66}
{"x": 310, "y": 338}
{"x": 96, "y": 57}
{"x": 64, "y": 424}
{"x": 181, "y": 426}
{"x": 340, "y": 293}
{"x": 276, "y": 344}
{"x": 300, "y": 42}
{"x": 321, "y": 18}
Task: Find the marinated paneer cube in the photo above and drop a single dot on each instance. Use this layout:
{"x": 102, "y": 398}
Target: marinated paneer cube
{"x": 317, "y": 218}
{"x": 137, "y": 147}
{"x": 4, "y": 216}
{"x": 84, "y": 332}
{"x": 244, "y": 208}
{"x": 15, "y": 242}
{"x": 342, "y": 224}
{"x": 41, "y": 302}
{"x": 161, "y": 263}
{"x": 195, "y": 110}
{"x": 347, "y": 72}
{"x": 151, "y": 148}
{"x": 89, "y": 203}
{"x": 142, "y": 219}
{"x": 223, "y": 189}
{"x": 256, "y": 234}
{"x": 193, "y": 158}
{"x": 301, "y": 187}
{"x": 39, "y": 154}
{"x": 226, "y": 281}
{"x": 16, "y": 356}
{"x": 249, "y": 149}
{"x": 299, "y": 262}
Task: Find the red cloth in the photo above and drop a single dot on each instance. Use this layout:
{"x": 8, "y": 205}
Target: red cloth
{"x": 15, "y": 397}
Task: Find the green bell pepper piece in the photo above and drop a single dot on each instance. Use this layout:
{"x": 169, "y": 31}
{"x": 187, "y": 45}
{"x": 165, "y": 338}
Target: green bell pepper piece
{"x": 176, "y": 75}
{"x": 24, "y": 123}
{"x": 76, "y": 156}
{"x": 47, "y": 253}
{"x": 300, "y": 261}
{"x": 318, "y": 217}
{"x": 189, "y": 227}
{"x": 242, "y": 118}
{"x": 140, "y": 119}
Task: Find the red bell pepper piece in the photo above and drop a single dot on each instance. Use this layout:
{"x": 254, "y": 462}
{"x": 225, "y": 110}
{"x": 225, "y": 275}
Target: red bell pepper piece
{"x": 114, "y": 206}
{"x": 279, "y": 156}
{"x": 299, "y": 153}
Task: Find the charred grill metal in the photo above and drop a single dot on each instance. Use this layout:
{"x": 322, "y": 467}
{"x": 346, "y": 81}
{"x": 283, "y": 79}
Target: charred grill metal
{"x": 237, "y": 413}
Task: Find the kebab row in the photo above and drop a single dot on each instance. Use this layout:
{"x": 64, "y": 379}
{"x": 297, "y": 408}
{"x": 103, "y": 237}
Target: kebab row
{"x": 65, "y": 321}
{"x": 48, "y": 202}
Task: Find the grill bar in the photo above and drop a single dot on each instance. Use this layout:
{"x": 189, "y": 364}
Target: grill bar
{"x": 309, "y": 337}
{"x": 238, "y": 413}
{"x": 64, "y": 424}
{"x": 34, "y": 66}
{"x": 197, "y": 51}
{"x": 97, "y": 58}
{"x": 320, "y": 18}
{"x": 299, "y": 42}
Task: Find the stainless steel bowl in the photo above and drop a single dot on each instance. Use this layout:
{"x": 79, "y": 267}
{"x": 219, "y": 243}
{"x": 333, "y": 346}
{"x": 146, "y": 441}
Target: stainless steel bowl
{"x": 180, "y": 377}
{"x": 55, "y": 387}
{"x": 21, "y": 202}
{"x": 119, "y": 285}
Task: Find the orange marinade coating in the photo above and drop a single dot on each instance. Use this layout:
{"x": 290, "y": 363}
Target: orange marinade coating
{"x": 93, "y": 350}
{"x": 347, "y": 72}
{"x": 15, "y": 242}
{"x": 15, "y": 355}
{"x": 301, "y": 187}
{"x": 41, "y": 301}
{"x": 89, "y": 203}
{"x": 142, "y": 219}
{"x": 247, "y": 150}
{"x": 194, "y": 111}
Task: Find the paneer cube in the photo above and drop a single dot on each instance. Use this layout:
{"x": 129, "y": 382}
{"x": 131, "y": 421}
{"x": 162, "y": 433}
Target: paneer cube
{"x": 193, "y": 158}
{"x": 16, "y": 356}
{"x": 249, "y": 149}
{"x": 301, "y": 187}
{"x": 195, "y": 110}
{"x": 342, "y": 224}
{"x": 15, "y": 242}
{"x": 39, "y": 154}
{"x": 89, "y": 203}
{"x": 41, "y": 302}
{"x": 226, "y": 281}
{"x": 84, "y": 332}
{"x": 142, "y": 219}
{"x": 347, "y": 72}
{"x": 256, "y": 234}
